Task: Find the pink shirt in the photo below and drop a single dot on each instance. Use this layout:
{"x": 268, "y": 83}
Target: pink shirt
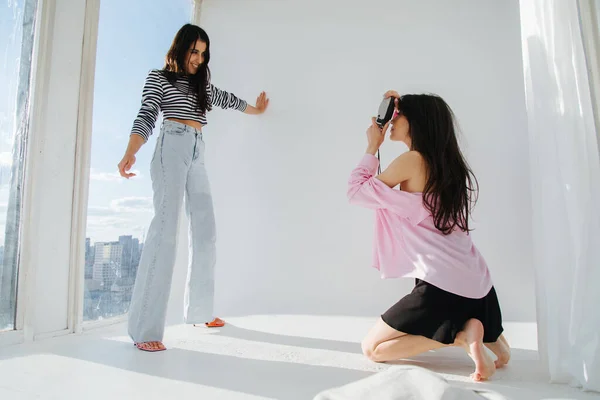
{"x": 407, "y": 244}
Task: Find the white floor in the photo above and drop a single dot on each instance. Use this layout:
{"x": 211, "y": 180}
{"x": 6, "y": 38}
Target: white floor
{"x": 258, "y": 357}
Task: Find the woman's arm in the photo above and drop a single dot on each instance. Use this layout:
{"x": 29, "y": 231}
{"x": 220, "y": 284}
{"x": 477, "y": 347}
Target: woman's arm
{"x": 225, "y": 100}
{"x": 370, "y": 191}
{"x": 402, "y": 168}
{"x": 262, "y": 102}
{"x": 143, "y": 125}
{"x": 135, "y": 142}
{"x": 152, "y": 96}
{"x": 366, "y": 190}
{"x": 134, "y": 145}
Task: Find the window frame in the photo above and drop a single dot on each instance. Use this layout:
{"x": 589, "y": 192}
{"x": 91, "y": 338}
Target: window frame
{"x": 83, "y": 155}
{"x": 22, "y": 330}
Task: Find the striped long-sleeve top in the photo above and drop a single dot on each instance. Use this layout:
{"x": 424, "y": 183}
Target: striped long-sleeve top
{"x": 176, "y": 101}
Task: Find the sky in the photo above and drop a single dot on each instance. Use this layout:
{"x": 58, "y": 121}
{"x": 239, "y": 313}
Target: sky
{"x": 133, "y": 37}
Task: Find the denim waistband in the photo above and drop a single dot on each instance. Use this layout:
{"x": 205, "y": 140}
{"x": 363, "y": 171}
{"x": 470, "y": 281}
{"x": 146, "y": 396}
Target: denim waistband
{"x": 187, "y": 128}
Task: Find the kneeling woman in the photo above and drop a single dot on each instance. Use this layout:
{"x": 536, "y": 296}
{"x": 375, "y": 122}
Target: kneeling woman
{"x": 422, "y": 232}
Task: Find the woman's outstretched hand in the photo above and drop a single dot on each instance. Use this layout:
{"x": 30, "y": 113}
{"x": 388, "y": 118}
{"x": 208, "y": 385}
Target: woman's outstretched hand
{"x": 262, "y": 102}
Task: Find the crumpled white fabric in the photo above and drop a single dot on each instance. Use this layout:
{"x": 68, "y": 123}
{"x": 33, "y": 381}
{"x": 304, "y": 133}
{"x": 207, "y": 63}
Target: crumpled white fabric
{"x": 405, "y": 383}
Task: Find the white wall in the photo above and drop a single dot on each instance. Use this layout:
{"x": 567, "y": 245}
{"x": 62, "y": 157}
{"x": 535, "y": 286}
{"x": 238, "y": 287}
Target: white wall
{"x": 288, "y": 240}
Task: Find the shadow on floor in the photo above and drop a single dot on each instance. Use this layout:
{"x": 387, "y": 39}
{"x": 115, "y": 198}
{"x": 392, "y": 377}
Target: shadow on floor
{"x": 273, "y": 379}
{"x": 523, "y": 378}
{"x": 236, "y": 332}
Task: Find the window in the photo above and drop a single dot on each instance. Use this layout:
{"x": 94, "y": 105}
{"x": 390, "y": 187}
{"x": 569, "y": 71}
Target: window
{"x": 16, "y": 44}
{"x": 133, "y": 37}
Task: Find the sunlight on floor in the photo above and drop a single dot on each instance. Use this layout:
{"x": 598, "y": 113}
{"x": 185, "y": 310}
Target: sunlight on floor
{"x": 273, "y": 357}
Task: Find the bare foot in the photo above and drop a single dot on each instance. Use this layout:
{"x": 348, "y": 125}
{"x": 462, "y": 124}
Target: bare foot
{"x": 471, "y": 339}
{"x": 151, "y": 346}
{"x": 501, "y": 349}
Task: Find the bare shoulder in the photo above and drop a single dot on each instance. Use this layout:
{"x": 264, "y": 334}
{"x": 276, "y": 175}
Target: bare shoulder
{"x": 409, "y": 160}
{"x": 403, "y": 168}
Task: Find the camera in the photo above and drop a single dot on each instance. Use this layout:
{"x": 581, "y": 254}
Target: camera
{"x": 384, "y": 115}
{"x": 386, "y": 111}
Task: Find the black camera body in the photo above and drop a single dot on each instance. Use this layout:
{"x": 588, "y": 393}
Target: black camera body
{"x": 384, "y": 115}
{"x": 386, "y": 111}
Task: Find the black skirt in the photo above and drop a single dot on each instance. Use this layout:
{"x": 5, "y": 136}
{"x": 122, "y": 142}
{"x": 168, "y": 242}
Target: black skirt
{"x": 439, "y": 315}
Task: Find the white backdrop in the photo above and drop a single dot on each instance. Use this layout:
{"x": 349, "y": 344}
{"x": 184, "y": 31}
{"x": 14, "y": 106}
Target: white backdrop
{"x": 288, "y": 241}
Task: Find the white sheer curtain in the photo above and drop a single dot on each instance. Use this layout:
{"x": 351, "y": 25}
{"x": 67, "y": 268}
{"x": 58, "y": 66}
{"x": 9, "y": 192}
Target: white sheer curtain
{"x": 565, "y": 185}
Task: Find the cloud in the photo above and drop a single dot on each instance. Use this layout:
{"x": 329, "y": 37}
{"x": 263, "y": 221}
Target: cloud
{"x": 122, "y": 207}
{"x": 124, "y": 216}
{"x": 132, "y": 205}
{"x": 111, "y": 176}
{"x": 126, "y": 224}
{"x": 109, "y": 228}
{"x": 99, "y": 211}
{"x": 105, "y": 176}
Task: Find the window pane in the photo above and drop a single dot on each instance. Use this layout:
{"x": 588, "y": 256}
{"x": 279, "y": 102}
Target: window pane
{"x": 16, "y": 45}
{"x": 133, "y": 37}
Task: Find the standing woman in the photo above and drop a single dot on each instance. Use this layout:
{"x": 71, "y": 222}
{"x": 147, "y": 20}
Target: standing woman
{"x": 182, "y": 90}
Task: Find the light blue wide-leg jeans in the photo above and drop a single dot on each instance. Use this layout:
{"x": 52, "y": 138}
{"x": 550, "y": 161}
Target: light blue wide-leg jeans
{"x": 177, "y": 171}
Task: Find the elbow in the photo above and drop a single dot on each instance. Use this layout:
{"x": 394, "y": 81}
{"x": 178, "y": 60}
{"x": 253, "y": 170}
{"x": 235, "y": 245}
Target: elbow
{"x": 351, "y": 192}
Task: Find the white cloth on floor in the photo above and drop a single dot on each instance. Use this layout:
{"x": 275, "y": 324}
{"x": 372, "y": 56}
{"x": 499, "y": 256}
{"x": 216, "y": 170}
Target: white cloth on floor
{"x": 405, "y": 383}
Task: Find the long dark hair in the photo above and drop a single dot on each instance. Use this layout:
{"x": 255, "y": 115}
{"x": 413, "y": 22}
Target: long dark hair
{"x": 451, "y": 189}
{"x": 176, "y": 59}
